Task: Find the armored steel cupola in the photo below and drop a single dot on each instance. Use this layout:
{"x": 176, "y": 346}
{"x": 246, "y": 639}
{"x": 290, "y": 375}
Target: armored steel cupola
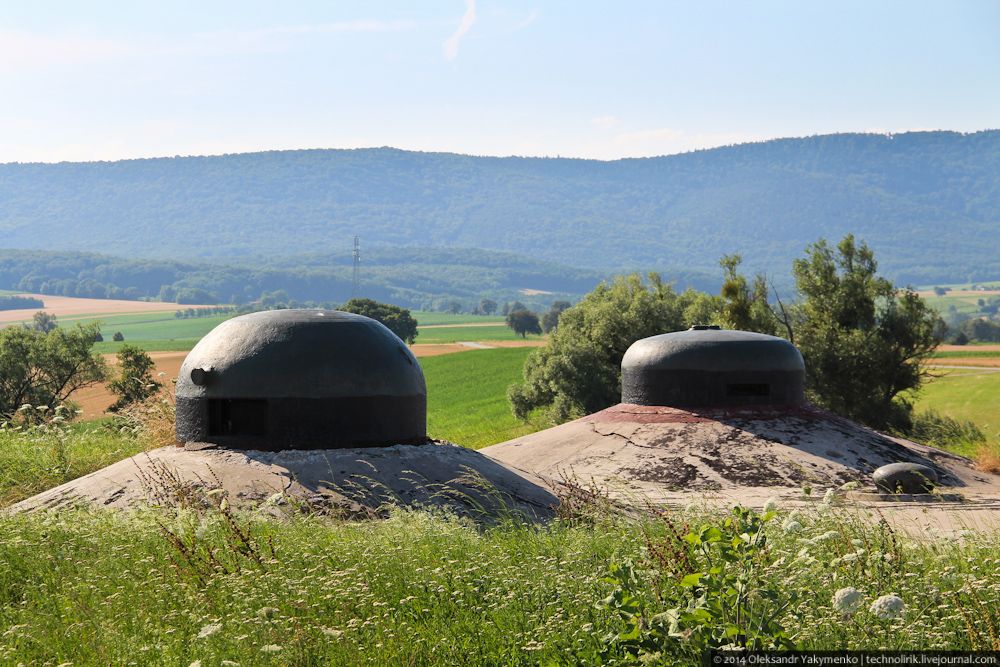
{"x": 707, "y": 366}
{"x": 301, "y": 379}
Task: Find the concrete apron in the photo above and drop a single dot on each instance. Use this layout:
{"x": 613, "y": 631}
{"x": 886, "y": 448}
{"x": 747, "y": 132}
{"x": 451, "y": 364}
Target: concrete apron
{"x": 658, "y": 456}
{"x": 351, "y": 482}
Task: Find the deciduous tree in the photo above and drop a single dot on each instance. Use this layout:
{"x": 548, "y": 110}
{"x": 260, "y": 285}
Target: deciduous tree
{"x": 43, "y": 322}
{"x": 863, "y": 339}
{"x": 524, "y": 322}
{"x": 579, "y": 370}
{"x": 44, "y": 369}
{"x": 397, "y": 319}
{"x": 134, "y": 382}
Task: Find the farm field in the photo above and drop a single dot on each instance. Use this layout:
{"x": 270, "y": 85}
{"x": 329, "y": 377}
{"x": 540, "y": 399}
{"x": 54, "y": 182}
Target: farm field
{"x": 467, "y": 396}
{"x": 966, "y": 394}
{"x": 963, "y": 297}
{"x": 74, "y": 308}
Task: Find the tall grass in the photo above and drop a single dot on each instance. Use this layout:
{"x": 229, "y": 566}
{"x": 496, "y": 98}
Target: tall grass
{"x": 33, "y": 459}
{"x": 419, "y": 588}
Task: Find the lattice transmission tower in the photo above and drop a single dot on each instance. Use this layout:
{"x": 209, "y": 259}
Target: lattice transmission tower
{"x": 357, "y": 266}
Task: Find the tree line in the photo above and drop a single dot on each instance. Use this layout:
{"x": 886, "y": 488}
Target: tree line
{"x": 19, "y": 302}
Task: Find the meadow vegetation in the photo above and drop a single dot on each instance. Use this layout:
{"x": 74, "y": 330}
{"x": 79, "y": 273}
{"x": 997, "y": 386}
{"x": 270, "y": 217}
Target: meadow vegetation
{"x": 178, "y": 585}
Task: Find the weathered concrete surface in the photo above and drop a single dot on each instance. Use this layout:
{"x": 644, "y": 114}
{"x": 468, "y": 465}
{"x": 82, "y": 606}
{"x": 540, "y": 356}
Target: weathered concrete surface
{"x": 354, "y": 481}
{"x": 671, "y": 456}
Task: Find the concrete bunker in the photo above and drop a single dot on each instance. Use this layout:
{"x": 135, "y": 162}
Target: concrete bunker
{"x": 708, "y": 367}
{"x": 301, "y": 379}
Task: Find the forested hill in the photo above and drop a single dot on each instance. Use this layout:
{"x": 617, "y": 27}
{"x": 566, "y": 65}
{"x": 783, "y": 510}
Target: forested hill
{"x": 928, "y": 202}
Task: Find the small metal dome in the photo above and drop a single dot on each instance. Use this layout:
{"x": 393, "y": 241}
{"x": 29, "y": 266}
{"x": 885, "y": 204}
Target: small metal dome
{"x": 706, "y": 366}
{"x": 301, "y": 379}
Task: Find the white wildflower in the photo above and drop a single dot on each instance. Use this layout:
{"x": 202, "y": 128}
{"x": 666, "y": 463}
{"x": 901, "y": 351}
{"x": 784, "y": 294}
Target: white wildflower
{"x": 848, "y": 600}
{"x": 830, "y": 497}
{"x": 332, "y": 632}
{"x": 791, "y": 526}
{"x": 888, "y": 607}
{"x": 771, "y": 505}
{"x": 825, "y": 537}
{"x": 270, "y": 648}
{"x": 209, "y": 630}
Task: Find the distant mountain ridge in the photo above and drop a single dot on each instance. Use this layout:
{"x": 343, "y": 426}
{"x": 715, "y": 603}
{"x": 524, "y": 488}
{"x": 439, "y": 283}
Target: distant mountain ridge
{"x": 927, "y": 202}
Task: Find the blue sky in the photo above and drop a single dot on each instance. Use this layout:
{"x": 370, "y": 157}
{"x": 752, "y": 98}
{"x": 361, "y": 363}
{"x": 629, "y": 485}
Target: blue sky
{"x": 88, "y": 80}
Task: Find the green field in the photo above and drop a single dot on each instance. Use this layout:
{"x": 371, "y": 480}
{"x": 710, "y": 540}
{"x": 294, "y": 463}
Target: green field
{"x": 965, "y": 305}
{"x": 424, "y": 317}
{"x": 966, "y": 395}
{"x": 170, "y": 345}
{"x": 467, "y": 396}
{"x": 153, "y": 331}
{"x": 459, "y": 334}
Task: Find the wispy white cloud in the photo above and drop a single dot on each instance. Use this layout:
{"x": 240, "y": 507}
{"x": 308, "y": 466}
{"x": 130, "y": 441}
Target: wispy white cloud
{"x": 468, "y": 19}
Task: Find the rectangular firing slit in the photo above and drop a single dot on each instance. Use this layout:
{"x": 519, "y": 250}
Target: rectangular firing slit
{"x": 742, "y": 390}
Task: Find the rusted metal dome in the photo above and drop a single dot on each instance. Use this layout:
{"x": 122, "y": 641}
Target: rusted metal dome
{"x": 301, "y": 379}
{"x": 707, "y": 366}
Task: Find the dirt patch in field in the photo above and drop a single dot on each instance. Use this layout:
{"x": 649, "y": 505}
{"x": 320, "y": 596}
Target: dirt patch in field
{"x": 975, "y": 293}
{"x": 66, "y": 307}
{"x": 975, "y": 362}
{"x": 95, "y": 400}
{"x": 968, "y": 348}
{"x": 436, "y": 349}
{"x": 515, "y": 343}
